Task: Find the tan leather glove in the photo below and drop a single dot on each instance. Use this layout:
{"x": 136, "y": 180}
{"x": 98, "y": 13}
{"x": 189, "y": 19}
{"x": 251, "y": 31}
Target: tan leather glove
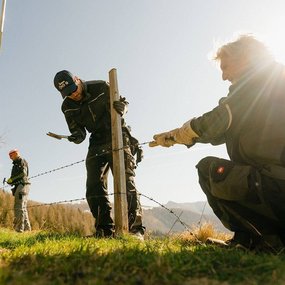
{"x": 185, "y": 134}
{"x": 165, "y": 139}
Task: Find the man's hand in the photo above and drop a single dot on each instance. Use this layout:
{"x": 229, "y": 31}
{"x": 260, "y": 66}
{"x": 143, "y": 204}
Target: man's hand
{"x": 184, "y": 135}
{"x": 9, "y": 181}
{"x": 120, "y": 107}
{"x": 163, "y": 139}
{"x": 72, "y": 138}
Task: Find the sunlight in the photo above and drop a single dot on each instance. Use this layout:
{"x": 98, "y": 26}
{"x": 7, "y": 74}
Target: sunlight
{"x": 275, "y": 42}
{"x": 277, "y": 48}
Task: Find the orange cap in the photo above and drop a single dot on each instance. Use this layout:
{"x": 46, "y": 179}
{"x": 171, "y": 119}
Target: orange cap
{"x": 13, "y": 151}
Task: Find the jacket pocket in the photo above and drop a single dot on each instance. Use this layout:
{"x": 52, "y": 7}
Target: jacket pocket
{"x": 230, "y": 181}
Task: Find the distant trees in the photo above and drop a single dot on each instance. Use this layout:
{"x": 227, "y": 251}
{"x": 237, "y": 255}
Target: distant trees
{"x": 59, "y": 217}
{"x": 6, "y": 209}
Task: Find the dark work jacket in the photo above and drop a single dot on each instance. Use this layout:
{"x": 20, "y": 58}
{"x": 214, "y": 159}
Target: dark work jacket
{"x": 251, "y": 119}
{"x": 20, "y": 172}
{"x": 91, "y": 114}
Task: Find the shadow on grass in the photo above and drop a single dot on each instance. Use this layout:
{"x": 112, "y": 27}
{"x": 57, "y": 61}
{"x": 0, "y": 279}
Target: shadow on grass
{"x": 147, "y": 265}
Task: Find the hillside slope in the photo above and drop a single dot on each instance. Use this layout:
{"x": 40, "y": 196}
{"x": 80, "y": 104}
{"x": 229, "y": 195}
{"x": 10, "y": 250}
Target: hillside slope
{"x": 159, "y": 219}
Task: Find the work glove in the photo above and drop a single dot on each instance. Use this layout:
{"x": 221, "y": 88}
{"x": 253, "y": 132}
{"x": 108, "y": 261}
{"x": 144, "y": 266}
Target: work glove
{"x": 72, "y": 138}
{"x": 9, "y": 181}
{"x": 165, "y": 139}
{"x": 120, "y": 107}
{"x": 184, "y": 135}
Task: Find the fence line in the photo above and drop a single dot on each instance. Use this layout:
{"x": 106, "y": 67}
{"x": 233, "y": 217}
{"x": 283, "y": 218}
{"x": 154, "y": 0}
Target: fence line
{"x": 186, "y": 226}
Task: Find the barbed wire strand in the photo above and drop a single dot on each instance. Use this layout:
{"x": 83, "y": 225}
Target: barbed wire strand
{"x": 202, "y": 214}
{"x": 104, "y": 152}
{"x": 174, "y": 223}
{"x": 186, "y": 226}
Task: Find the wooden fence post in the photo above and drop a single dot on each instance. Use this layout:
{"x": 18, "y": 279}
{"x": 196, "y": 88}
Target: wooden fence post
{"x": 120, "y": 192}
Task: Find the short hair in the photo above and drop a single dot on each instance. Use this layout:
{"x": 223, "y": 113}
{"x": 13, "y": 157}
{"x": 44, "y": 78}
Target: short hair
{"x": 245, "y": 45}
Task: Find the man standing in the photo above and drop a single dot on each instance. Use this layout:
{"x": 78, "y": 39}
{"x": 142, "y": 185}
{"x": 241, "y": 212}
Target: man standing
{"x": 19, "y": 179}
{"x": 247, "y": 192}
{"x": 86, "y": 107}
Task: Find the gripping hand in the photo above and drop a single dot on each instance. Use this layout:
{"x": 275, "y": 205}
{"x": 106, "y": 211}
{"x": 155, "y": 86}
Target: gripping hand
{"x": 120, "y": 107}
{"x": 184, "y": 135}
{"x": 163, "y": 139}
{"x": 72, "y": 138}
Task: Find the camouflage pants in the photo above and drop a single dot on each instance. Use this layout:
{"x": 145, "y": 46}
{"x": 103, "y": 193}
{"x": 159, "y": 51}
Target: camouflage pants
{"x": 98, "y": 166}
{"x": 21, "y": 218}
{"x": 262, "y": 213}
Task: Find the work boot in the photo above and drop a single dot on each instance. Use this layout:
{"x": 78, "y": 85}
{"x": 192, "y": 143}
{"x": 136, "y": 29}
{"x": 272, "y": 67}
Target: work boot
{"x": 240, "y": 240}
{"x": 138, "y": 232}
{"x": 138, "y": 235}
{"x": 104, "y": 233}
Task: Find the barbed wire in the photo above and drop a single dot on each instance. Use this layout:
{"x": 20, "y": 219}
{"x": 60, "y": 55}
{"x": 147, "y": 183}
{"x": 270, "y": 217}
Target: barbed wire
{"x": 56, "y": 169}
{"x": 186, "y": 226}
{"x": 103, "y": 152}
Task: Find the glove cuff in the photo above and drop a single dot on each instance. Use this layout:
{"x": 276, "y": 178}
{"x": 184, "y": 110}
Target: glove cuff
{"x": 185, "y": 134}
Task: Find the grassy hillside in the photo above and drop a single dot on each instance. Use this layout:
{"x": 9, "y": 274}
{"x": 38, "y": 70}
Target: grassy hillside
{"x": 161, "y": 220}
{"x": 76, "y": 218}
{"x": 51, "y": 258}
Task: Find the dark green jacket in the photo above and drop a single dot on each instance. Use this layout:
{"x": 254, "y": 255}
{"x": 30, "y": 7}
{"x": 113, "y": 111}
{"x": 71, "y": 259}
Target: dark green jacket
{"x": 91, "y": 114}
{"x": 20, "y": 172}
{"x": 251, "y": 119}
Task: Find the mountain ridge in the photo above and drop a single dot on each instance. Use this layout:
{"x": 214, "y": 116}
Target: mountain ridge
{"x": 175, "y": 217}
{"x": 178, "y": 217}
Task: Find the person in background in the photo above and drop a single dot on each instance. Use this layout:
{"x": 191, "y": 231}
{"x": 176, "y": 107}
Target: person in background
{"x": 86, "y": 107}
{"x": 21, "y": 186}
{"x": 246, "y": 192}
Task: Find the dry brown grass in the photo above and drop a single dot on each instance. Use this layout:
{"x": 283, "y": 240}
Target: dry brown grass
{"x": 201, "y": 233}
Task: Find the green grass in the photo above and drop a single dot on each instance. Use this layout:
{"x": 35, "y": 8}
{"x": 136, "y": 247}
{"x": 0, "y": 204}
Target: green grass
{"x": 51, "y": 258}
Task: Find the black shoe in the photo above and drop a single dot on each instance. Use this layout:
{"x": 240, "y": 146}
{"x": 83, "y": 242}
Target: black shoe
{"x": 138, "y": 236}
{"x": 137, "y": 229}
{"x": 104, "y": 233}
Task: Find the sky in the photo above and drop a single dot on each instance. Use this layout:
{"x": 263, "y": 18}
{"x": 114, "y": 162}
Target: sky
{"x": 161, "y": 52}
